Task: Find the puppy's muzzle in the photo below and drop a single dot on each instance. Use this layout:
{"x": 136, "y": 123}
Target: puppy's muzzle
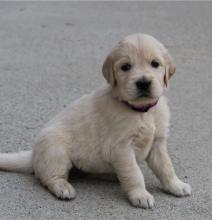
{"x": 143, "y": 86}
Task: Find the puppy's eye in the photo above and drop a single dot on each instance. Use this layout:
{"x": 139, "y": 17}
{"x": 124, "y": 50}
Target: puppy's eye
{"x": 155, "y": 64}
{"x": 126, "y": 67}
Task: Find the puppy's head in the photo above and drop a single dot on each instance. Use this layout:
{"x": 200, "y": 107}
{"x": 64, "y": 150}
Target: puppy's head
{"x": 138, "y": 69}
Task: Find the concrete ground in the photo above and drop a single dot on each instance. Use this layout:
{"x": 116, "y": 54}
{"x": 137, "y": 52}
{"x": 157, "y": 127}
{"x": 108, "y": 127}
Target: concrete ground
{"x": 51, "y": 54}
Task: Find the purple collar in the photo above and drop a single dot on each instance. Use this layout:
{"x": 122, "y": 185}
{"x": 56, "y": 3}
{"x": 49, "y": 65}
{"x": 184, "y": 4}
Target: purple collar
{"x": 143, "y": 108}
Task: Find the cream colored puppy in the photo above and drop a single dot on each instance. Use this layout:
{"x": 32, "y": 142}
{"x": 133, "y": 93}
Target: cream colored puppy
{"x": 112, "y": 129}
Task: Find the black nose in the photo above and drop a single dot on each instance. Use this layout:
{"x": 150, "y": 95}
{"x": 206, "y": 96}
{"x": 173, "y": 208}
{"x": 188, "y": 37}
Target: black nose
{"x": 143, "y": 84}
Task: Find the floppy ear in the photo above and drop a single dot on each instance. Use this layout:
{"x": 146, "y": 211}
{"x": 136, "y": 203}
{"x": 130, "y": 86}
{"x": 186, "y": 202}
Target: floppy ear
{"x": 170, "y": 68}
{"x": 108, "y": 71}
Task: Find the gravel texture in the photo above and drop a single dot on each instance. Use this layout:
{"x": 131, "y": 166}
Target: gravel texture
{"x": 51, "y": 54}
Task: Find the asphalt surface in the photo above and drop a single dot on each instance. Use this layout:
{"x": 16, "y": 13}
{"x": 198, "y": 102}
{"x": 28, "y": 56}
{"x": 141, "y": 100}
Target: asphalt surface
{"x": 51, "y": 54}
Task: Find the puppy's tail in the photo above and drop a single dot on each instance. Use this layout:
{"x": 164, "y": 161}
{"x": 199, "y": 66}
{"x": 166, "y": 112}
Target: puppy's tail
{"x": 17, "y": 162}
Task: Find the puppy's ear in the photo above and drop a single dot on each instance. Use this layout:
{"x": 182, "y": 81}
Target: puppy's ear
{"x": 170, "y": 67}
{"x": 108, "y": 71}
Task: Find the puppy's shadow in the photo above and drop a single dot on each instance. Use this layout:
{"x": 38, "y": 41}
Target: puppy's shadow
{"x": 76, "y": 175}
{"x": 102, "y": 186}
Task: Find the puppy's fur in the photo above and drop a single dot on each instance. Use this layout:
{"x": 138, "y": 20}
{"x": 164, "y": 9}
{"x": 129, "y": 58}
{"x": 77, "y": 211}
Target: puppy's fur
{"x": 103, "y": 133}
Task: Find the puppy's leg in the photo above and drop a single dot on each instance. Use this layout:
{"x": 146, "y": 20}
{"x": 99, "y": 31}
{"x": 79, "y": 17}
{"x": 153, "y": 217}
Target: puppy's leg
{"x": 160, "y": 162}
{"x": 131, "y": 177}
{"x": 52, "y": 165}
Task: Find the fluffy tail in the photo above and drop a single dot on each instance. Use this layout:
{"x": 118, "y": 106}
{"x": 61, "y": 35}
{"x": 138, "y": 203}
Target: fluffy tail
{"x": 17, "y": 162}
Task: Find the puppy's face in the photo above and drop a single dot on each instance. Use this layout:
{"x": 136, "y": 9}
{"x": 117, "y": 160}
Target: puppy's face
{"x": 138, "y": 69}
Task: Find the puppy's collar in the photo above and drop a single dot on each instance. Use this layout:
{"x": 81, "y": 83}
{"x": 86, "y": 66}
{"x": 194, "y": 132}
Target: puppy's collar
{"x": 142, "y": 108}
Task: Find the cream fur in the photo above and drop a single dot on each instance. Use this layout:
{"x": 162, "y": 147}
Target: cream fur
{"x": 100, "y": 134}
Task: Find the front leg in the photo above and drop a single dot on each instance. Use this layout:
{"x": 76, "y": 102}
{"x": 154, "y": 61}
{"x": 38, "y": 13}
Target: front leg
{"x": 160, "y": 163}
{"x": 131, "y": 177}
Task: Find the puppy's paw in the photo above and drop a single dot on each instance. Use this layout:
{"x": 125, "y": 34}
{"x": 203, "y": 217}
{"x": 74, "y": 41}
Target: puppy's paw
{"x": 141, "y": 199}
{"x": 178, "y": 188}
{"x": 62, "y": 189}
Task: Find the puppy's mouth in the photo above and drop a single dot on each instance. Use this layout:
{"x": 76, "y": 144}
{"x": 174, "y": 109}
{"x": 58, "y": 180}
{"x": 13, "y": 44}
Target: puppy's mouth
{"x": 144, "y": 95}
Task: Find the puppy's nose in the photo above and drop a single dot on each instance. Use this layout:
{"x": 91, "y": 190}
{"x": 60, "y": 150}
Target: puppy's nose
{"x": 143, "y": 84}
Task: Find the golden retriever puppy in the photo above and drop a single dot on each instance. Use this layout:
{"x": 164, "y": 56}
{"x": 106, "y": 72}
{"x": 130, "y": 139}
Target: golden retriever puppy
{"x": 111, "y": 129}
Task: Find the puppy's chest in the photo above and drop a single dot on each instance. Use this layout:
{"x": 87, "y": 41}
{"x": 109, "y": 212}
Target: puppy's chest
{"x": 142, "y": 138}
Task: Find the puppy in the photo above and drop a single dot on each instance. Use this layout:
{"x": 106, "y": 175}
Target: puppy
{"x": 111, "y": 129}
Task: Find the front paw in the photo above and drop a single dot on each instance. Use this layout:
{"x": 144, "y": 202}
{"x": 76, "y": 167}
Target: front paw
{"x": 178, "y": 188}
{"x": 141, "y": 199}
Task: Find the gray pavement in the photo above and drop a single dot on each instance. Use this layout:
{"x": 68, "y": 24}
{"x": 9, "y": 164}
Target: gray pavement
{"x": 51, "y": 54}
